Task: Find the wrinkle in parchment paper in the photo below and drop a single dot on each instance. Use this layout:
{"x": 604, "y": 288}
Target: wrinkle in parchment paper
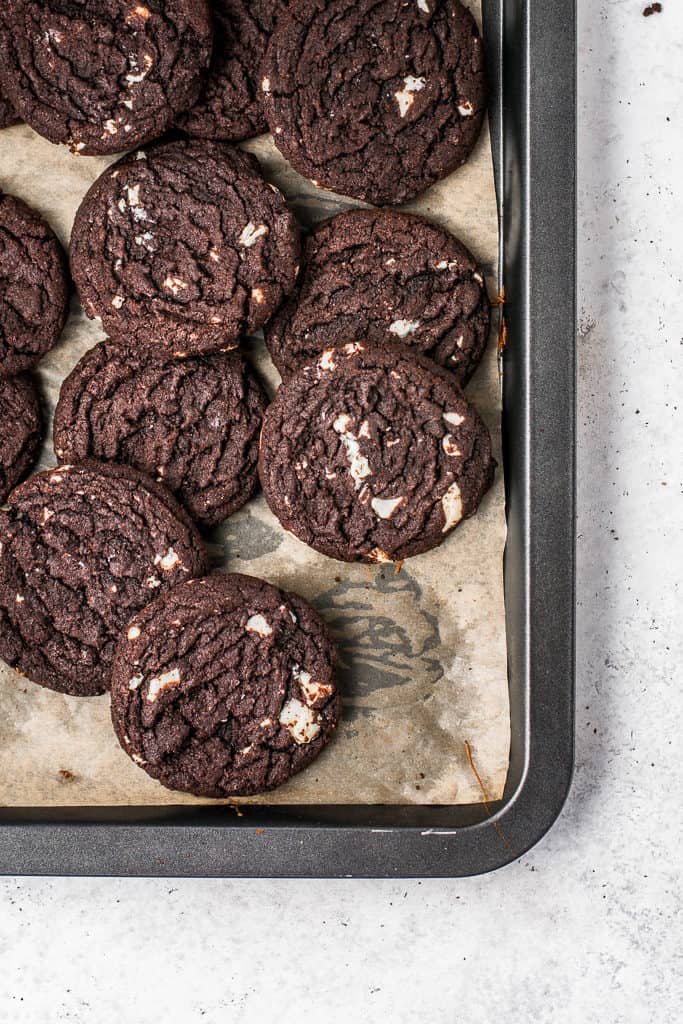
{"x": 422, "y": 651}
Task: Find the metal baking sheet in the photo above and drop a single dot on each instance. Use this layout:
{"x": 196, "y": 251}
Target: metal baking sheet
{"x": 533, "y": 116}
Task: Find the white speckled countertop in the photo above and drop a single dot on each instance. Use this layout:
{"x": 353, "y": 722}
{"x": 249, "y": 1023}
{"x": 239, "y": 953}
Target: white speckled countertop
{"x": 586, "y": 927}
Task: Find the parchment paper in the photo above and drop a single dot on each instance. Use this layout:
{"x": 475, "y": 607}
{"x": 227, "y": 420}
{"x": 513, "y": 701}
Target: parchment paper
{"x": 423, "y": 654}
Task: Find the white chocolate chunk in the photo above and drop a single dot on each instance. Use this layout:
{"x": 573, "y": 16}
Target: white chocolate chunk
{"x": 353, "y": 347}
{"x": 167, "y": 561}
{"x": 110, "y": 128}
{"x": 257, "y": 296}
{"x": 135, "y": 682}
{"x": 452, "y": 507}
{"x": 326, "y": 361}
{"x": 377, "y": 555}
{"x": 302, "y": 721}
{"x": 251, "y": 234}
{"x": 386, "y": 507}
{"x": 163, "y": 682}
{"x": 174, "y": 284}
{"x": 152, "y": 582}
{"x": 405, "y": 97}
{"x": 454, "y": 418}
{"x": 402, "y": 328}
{"x": 133, "y": 632}
{"x": 257, "y": 624}
{"x": 117, "y": 301}
{"x": 465, "y": 109}
{"x": 423, "y": 5}
{"x": 311, "y": 690}
{"x": 265, "y": 85}
{"x": 449, "y": 446}
{"x": 133, "y": 195}
{"x": 359, "y": 465}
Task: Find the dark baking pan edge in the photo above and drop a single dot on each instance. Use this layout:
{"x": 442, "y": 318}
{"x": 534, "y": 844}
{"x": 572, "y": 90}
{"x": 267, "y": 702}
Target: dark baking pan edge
{"x": 533, "y": 126}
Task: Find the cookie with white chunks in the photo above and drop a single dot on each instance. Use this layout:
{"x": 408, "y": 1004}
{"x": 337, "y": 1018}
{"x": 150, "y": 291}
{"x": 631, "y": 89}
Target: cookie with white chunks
{"x": 102, "y": 76}
{"x": 373, "y": 455}
{"x": 21, "y": 430}
{"x": 34, "y": 291}
{"x": 386, "y": 277}
{"x": 376, "y": 99}
{"x": 228, "y": 107}
{"x": 225, "y": 687}
{"x": 183, "y": 248}
{"x": 82, "y": 549}
{"x": 194, "y": 424}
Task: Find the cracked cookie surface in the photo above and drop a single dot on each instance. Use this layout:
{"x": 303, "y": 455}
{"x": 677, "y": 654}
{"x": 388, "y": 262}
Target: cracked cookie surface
{"x": 34, "y": 292}
{"x": 229, "y": 107}
{"x": 376, "y": 99}
{"x": 103, "y": 75}
{"x": 182, "y": 248}
{"x": 225, "y": 687}
{"x": 82, "y": 549}
{"x": 193, "y": 424}
{"x": 21, "y": 430}
{"x": 373, "y": 455}
{"x": 385, "y": 277}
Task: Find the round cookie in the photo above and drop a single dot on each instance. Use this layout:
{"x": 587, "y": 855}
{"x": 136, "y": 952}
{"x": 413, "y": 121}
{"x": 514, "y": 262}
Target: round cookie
{"x": 183, "y": 248}
{"x": 103, "y": 75}
{"x": 8, "y": 116}
{"x": 34, "y": 292}
{"x": 194, "y": 424}
{"x": 228, "y": 107}
{"x": 225, "y": 687}
{"x": 373, "y": 455}
{"x": 82, "y": 549}
{"x": 396, "y": 104}
{"x": 21, "y": 430}
{"x": 386, "y": 277}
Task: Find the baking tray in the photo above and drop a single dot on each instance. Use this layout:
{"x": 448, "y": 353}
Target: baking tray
{"x": 531, "y": 50}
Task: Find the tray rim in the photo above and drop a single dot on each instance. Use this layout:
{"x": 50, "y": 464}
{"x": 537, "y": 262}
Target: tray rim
{"x": 532, "y": 120}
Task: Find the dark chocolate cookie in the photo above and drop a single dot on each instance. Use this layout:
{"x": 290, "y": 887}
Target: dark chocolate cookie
{"x": 183, "y": 248}
{"x": 34, "y": 293}
{"x": 373, "y": 455}
{"x": 103, "y": 75}
{"x": 82, "y": 549}
{"x": 375, "y": 98}
{"x": 193, "y": 424}
{"x": 8, "y": 115}
{"x": 229, "y": 107}
{"x": 21, "y": 430}
{"x": 384, "y": 277}
{"x": 225, "y": 687}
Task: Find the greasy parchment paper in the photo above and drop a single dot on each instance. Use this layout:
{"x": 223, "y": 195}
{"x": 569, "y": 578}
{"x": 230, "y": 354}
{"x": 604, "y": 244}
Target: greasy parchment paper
{"x": 423, "y": 654}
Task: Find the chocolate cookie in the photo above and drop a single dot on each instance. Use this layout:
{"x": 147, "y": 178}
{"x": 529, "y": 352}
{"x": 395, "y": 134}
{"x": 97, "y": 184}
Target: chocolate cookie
{"x": 82, "y": 549}
{"x": 228, "y": 107}
{"x": 8, "y": 116}
{"x": 373, "y": 455}
{"x": 194, "y": 424}
{"x": 103, "y": 75}
{"x": 375, "y": 98}
{"x": 34, "y": 293}
{"x": 21, "y": 430}
{"x": 183, "y": 248}
{"x": 224, "y": 687}
{"x": 385, "y": 277}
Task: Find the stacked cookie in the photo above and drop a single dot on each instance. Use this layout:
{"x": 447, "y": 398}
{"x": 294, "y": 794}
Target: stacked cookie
{"x": 224, "y": 685}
